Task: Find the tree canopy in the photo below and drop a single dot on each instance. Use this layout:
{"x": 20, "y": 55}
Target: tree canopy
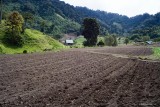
{"x": 65, "y": 18}
{"x": 90, "y": 31}
{"x": 14, "y": 24}
{"x": 111, "y": 40}
{"x": 126, "y": 41}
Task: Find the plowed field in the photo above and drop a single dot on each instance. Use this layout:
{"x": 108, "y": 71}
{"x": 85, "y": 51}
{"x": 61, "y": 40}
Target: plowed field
{"x": 80, "y": 78}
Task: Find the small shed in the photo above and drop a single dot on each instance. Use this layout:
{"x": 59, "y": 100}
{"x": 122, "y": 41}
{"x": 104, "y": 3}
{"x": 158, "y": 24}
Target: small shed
{"x": 69, "y": 42}
{"x": 149, "y": 42}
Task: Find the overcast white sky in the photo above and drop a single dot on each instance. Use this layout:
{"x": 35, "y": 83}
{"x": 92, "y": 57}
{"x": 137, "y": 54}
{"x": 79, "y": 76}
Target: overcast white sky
{"x": 124, "y": 7}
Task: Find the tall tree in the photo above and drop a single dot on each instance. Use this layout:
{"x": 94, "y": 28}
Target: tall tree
{"x": 14, "y": 24}
{"x": 90, "y": 31}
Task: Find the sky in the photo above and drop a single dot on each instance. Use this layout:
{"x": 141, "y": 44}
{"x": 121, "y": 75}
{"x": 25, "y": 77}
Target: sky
{"x": 124, "y": 7}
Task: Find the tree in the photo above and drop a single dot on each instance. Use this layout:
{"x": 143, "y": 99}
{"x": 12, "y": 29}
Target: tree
{"x": 43, "y": 26}
{"x": 14, "y": 24}
{"x": 115, "y": 40}
{"x": 1, "y": 11}
{"x": 28, "y": 18}
{"x": 157, "y": 39}
{"x": 145, "y": 38}
{"x": 135, "y": 36}
{"x": 109, "y": 40}
{"x": 28, "y": 7}
{"x": 58, "y": 36}
{"x": 90, "y": 31}
{"x": 126, "y": 41}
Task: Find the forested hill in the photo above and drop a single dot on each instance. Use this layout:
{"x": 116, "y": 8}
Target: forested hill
{"x": 59, "y": 17}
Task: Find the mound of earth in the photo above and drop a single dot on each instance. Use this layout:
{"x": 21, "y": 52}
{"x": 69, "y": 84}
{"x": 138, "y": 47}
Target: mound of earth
{"x": 34, "y": 41}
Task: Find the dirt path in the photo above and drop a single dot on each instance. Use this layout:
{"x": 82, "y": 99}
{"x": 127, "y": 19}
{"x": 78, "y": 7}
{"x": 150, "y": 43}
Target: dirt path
{"x": 79, "y": 78}
{"x": 122, "y": 50}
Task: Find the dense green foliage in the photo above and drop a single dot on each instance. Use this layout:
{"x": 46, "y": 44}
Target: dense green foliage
{"x": 63, "y": 18}
{"x": 100, "y": 43}
{"x": 145, "y": 38}
{"x": 109, "y": 40}
{"x": 14, "y": 25}
{"x": 115, "y": 43}
{"x": 135, "y": 36}
{"x": 34, "y": 41}
{"x": 78, "y": 42}
{"x": 126, "y": 41}
{"x": 90, "y": 31}
{"x": 42, "y": 15}
{"x": 157, "y": 39}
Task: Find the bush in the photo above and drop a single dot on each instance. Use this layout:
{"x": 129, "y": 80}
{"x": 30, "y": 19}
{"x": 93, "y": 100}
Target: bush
{"x": 85, "y": 43}
{"x": 25, "y": 51}
{"x": 126, "y": 41}
{"x": 13, "y": 39}
{"x": 135, "y": 36}
{"x": 115, "y": 41}
{"x": 47, "y": 49}
{"x": 111, "y": 40}
{"x": 0, "y": 50}
{"x": 145, "y": 38}
{"x": 58, "y": 36}
{"x": 157, "y": 39}
{"x": 14, "y": 25}
{"x": 100, "y": 43}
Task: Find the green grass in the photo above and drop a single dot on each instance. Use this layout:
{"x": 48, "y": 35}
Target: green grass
{"x": 79, "y": 42}
{"x": 35, "y": 41}
{"x": 156, "y": 52}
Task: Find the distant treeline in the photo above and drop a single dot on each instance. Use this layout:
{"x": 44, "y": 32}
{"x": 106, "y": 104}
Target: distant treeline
{"x": 55, "y": 17}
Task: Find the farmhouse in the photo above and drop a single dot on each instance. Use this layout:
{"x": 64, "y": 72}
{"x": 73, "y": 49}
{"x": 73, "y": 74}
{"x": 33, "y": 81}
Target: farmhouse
{"x": 69, "y": 42}
{"x": 149, "y": 42}
{"x": 68, "y": 39}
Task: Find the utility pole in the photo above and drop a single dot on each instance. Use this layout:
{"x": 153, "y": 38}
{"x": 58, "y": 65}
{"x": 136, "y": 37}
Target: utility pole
{"x": 1, "y": 12}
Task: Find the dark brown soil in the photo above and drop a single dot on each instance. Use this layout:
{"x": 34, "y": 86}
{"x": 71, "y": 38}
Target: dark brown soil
{"x": 78, "y": 79}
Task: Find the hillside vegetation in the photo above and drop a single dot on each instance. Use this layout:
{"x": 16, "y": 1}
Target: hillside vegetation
{"x": 57, "y": 17}
{"x": 41, "y": 15}
{"x": 35, "y": 41}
